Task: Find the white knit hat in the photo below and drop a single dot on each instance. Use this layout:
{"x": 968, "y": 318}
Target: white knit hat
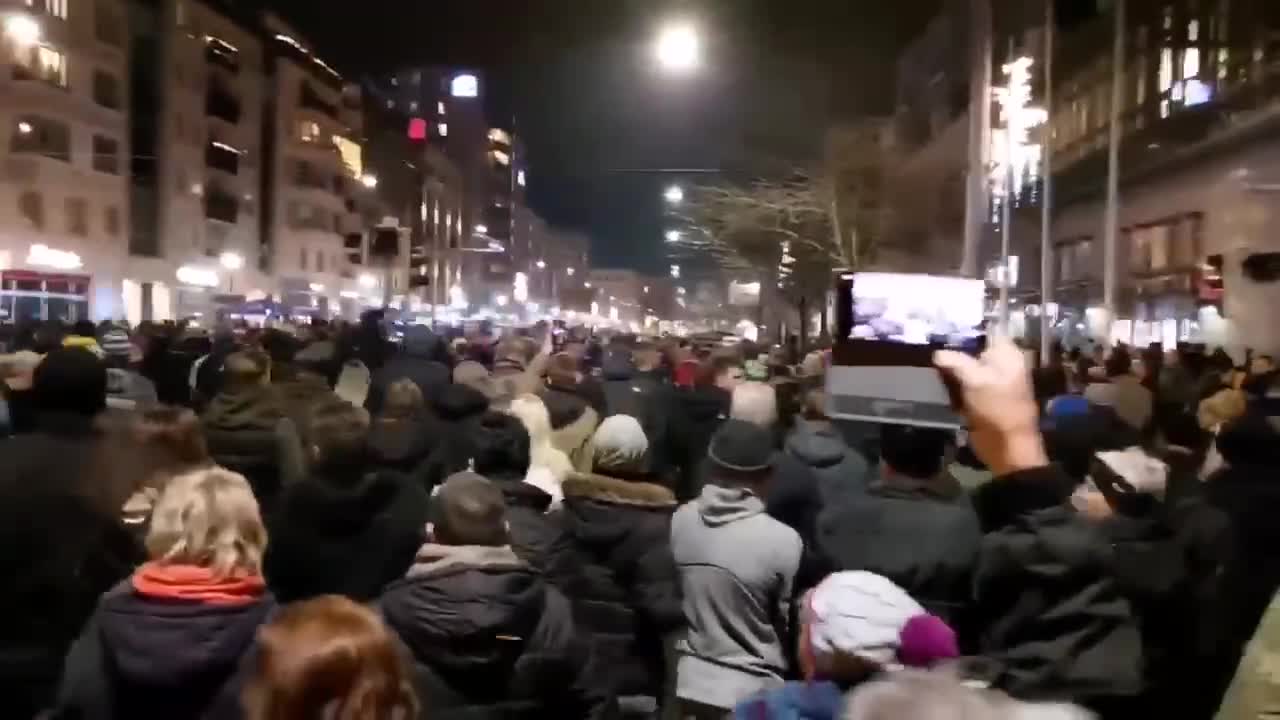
{"x": 620, "y": 443}
{"x": 858, "y": 614}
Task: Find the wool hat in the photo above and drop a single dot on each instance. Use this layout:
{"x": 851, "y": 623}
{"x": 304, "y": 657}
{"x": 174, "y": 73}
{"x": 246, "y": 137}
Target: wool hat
{"x": 741, "y": 447}
{"x": 864, "y": 615}
{"x": 620, "y": 444}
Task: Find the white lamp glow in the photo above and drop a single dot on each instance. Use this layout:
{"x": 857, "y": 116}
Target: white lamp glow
{"x": 679, "y": 49}
{"x": 231, "y": 261}
{"x": 674, "y": 195}
{"x": 46, "y": 256}
{"x": 22, "y": 29}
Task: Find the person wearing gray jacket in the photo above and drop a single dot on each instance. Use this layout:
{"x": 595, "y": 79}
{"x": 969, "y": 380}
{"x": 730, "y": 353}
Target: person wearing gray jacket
{"x": 737, "y": 567}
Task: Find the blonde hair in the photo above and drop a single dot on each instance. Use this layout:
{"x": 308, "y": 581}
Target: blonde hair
{"x": 532, "y": 413}
{"x": 756, "y": 403}
{"x": 208, "y": 518}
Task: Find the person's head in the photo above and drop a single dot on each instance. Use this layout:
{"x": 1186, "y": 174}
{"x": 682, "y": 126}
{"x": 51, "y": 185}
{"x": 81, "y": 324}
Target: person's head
{"x": 646, "y": 356}
{"x": 171, "y": 442}
{"x": 329, "y": 657}
{"x": 403, "y": 401}
{"x": 208, "y": 518}
{"x": 1048, "y": 382}
{"x": 468, "y": 509}
{"x": 84, "y": 328}
{"x": 337, "y": 434}
{"x": 940, "y": 696}
{"x": 620, "y": 446}
{"x": 245, "y": 369}
{"x": 474, "y": 375}
{"x": 562, "y": 370}
{"x": 532, "y": 413}
{"x": 856, "y": 623}
{"x": 722, "y": 371}
{"x": 70, "y": 380}
{"x": 741, "y": 455}
{"x": 914, "y": 452}
{"x": 756, "y": 403}
{"x": 500, "y": 447}
{"x": 1119, "y": 363}
{"x": 814, "y": 406}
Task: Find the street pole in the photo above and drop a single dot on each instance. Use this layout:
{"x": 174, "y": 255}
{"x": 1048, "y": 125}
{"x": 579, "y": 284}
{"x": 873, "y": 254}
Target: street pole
{"x": 976, "y": 201}
{"x": 1006, "y": 210}
{"x": 1111, "y": 216}
{"x": 1046, "y": 195}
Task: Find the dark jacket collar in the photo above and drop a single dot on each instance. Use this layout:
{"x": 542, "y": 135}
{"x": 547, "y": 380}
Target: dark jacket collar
{"x": 942, "y": 487}
{"x": 1003, "y": 500}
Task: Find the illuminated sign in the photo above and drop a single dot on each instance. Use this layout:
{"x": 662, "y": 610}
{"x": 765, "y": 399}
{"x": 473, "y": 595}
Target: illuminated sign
{"x": 48, "y": 257}
{"x": 199, "y": 277}
{"x": 417, "y": 129}
{"x": 465, "y": 86}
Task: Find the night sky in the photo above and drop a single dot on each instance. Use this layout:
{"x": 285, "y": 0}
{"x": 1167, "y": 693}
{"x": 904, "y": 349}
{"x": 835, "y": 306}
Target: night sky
{"x": 596, "y": 116}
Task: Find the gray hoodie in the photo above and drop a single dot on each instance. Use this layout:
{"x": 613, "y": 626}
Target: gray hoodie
{"x": 841, "y": 471}
{"x": 737, "y": 568}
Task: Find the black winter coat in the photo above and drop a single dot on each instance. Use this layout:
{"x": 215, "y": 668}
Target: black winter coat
{"x": 645, "y": 397}
{"x": 429, "y": 375}
{"x": 490, "y": 639}
{"x": 57, "y": 555}
{"x": 613, "y": 560}
{"x": 696, "y": 415}
{"x": 403, "y": 445}
{"x": 533, "y": 531}
{"x": 145, "y": 658}
{"x": 249, "y": 432}
{"x": 1054, "y": 619}
{"x": 923, "y": 535}
{"x": 458, "y": 409}
{"x": 344, "y": 533}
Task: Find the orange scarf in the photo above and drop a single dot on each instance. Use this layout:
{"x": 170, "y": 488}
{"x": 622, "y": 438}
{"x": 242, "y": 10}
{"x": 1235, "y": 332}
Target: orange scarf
{"x": 196, "y": 584}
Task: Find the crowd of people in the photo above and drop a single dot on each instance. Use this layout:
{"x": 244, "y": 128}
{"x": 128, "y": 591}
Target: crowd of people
{"x": 331, "y": 523}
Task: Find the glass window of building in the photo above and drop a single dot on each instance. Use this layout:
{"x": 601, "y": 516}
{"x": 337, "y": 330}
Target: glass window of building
{"x": 42, "y": 63}
{"x": 78, "y": 216}
{"x": 41, "y": 136}
{"x": 31, "y": 205}
{"x": 107, "y": 27}
{"x": 308, "y": 131}
{"x": 106, "y": 155}
{"x": 111, "y": 221}
{"x": 106, "y": 90}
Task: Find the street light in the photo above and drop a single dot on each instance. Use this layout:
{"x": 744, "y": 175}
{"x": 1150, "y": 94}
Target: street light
{"x": 230, "y": 260}
{"x": 542, "y": 264}
{"x": 673, "y": 236}
{"x": 22, "y": 29}
{"x": 482, "y": 229}
{"x": 674, "y": 195}
{"x": 678, "y": 49}
{"x": 24, "y": 128}
{"x": 675, "y": 271}
{"x": 369, "y": 181}
{"x": 367, "y": 281}
{"x": 569, "y": 272}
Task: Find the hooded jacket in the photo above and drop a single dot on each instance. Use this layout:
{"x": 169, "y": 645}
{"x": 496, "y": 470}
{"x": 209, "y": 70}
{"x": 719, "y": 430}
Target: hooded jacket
{"x": 695, "y": 417}
{"x": 613, "y": 559}
{"x": 737, "y": 568}
{"x": 840, "y": 470}
{"x": 422, "y": 358}
{"x": 921, "y": 534}
{"x": 248, "y": 432}
{"x": 145, "y": 658}
{"x": 344, "y": 532}
{"x": 458, "y": 409}
{"x": 490, "y": 639}
{"x": 573, "y": 422}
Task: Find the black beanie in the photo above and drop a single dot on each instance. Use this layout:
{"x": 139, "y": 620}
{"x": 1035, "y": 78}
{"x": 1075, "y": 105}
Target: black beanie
{"x": 500, "y": 447}
{"x": 70, "y": 380}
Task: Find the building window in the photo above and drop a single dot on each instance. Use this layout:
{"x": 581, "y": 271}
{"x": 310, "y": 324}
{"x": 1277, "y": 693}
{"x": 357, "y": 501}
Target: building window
{"x": 56, "y": 8}
{"x": 42, "y": 136}
{"x": 31, "y": 205}
{"x": 78, "y": 217}
{"x": 308, "y": 131}
{"x": 106, "y": 155}
{"x": 302, "y": 259}
{"x": 112, "y": 221}
{"x": 106, "y": 90}
{"x": 319, "y": 261}
{"x": 42, "y": 63}
{"x": 107, "y": 27}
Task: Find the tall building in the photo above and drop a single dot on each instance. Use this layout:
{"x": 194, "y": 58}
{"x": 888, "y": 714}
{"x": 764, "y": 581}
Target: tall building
{"x": 64, "y": 158}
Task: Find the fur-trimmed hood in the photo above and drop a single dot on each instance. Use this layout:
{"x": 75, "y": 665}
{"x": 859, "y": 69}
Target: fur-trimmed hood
{"x": 617, "y": 491}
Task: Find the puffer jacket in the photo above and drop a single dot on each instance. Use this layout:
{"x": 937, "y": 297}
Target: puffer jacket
{"x": 490, "y": 639}
{"x": 140, "y": 657}
{"x": 613, "y": 560}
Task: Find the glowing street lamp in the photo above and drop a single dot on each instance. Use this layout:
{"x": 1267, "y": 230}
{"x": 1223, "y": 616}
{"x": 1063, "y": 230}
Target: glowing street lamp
{"x": 673, "y": 236}
{"x": 678, "y": 48}
{"x": 369, "y": 181}
{"x": 231, "y": 261}
{"x": 674, "y": 195}
{"x": 482, "y": 229}
{"x": 675, "y": 271}
{"x": 23, "y": 30}
{"x": 542, "y": 264}
{"x": 24, "y": 128}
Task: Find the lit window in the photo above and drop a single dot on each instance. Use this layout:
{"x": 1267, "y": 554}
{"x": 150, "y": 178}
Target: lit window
{"x": 56, "y": 8}
{"x": 501, "y": 158}
{"x": 395, "y": 81}
{"x": 1197, "y": 92}
{"x": 520, "y": 178}
{"x": 1190, "y": 62}
{"x": 440, "y": 107}
{"x": 499, "y": 135}
{"x": 1193, "y": 30}
{"x": 45, "y": 64}
{"x": 391, "y": 104}
{"x": 417, "y": 129}
{"x": 413, "y": 106}
{"x": 465, "y": 86}
{"x": 308, "y": 131}
{"x": 42, "y": 136}
{"x": 443, "y": 129}
{"x": 1166, "y": 69}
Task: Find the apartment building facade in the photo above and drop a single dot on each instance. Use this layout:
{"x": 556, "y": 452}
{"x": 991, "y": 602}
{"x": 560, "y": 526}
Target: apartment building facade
{"x": 64, "y": 156}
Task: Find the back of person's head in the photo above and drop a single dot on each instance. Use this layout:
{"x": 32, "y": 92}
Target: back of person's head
{"x": 532, "y": 412}
{"x": 916, "y": 695}
{"x": 646, "y": 356}
{"x": 756, "y": 403}
{"x": 246, "y": 368}
{"x": 84, "y": 328}
{"x": 620, "y": 446}
{"x": 723, "y": 371}
{"x": 916, "y": 452}
{"x": 1048, "y": 382}
{"x": 337, "y": 434}
{"x": 814, "y": 406}
{"x": 208, "y": 518}
{"x": 403, "y": 401}
{"x": 330, "y": 658}
{"x": 468, "y": 509}
{"x": 500, "y": 447}
{"x": 1118, "y": 363}
{"x": 562, "y": 370}
{"x": 70, "y": 380}
{"x": 171, "y": 439}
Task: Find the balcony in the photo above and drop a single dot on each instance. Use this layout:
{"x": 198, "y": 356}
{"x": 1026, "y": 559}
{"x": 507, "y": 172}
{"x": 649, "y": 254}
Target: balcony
{"x": 218, "y": 156}
{"x": 221, "y": 104}
{"x": 310, "y": 99}
{"x": 221, "y": 206}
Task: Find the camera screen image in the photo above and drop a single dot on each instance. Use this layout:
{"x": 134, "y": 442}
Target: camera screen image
{"x": 916, "y": 309}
